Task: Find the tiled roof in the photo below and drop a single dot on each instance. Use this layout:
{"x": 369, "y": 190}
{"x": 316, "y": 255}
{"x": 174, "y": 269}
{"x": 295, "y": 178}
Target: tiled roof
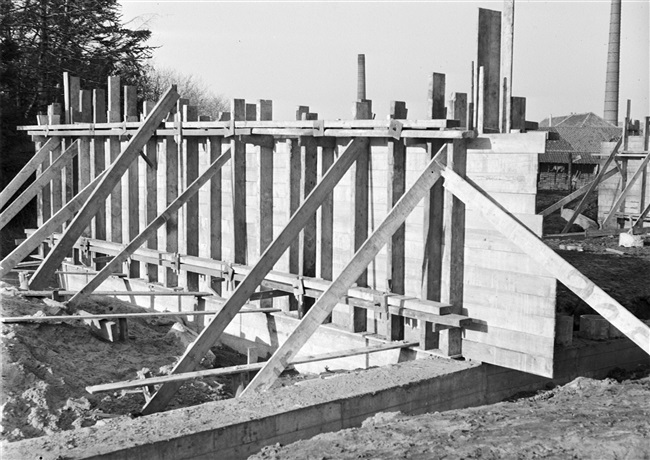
{"x": 577, "y": 120}
{"x": 581, "y": 142}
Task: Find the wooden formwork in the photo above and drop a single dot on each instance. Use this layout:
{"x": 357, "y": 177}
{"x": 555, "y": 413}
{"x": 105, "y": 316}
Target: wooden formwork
{"x": 416, "y": 230}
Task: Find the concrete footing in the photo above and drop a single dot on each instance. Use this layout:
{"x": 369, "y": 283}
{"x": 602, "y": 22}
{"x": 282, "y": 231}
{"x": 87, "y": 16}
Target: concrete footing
{"x": 238, "y": 428}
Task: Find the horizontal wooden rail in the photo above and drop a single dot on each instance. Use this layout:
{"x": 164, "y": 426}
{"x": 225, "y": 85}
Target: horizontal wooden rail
{"x": 93, "y": 389}
{"x": 48, "y": 319}
{"x": 121, "y": 293}
{"x": 410, "y": 307}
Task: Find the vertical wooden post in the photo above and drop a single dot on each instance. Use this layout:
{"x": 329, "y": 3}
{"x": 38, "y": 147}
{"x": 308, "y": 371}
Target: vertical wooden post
{"x": 192, "y": 206}
{"x": 149, "y": 191}
{"x": 170, "y": 173}
{"x": 480, "y": 101}
{"x": 130, "y": 187}
{"x": 307, "y": 241}
{"x": 98, "y": 165}
{"x": 507, "y": 46}
{"x": 489, "y": 57}
{"x": 264, "y": 112}
{"x": 83, "y": 157}
{"x": 71, "y": 89}
{"x": 238, "y": 183}
{"x": 360, "y": 172}
{"x": 395, "y": 247}
{"x": 294, "y": 203}
{"x": 471, "y": 109}
{"x": 453, "y": 253}
{"x": 458, "y": 108}
{"x": 436, "y": 100}
{"x": 214, "y": 148}
{"x": 518, "y": 113}
{"x": 114, "y": 202}
{"x": 433, "y": 202}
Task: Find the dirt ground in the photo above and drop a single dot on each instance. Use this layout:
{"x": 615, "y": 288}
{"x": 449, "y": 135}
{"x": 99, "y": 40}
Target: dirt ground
{"x": 46, "y": 367}
{"x": 585, "y": 419}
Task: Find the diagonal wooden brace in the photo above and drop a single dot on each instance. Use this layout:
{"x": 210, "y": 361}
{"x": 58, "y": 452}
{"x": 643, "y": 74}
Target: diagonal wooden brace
{"x": 211, "y": 333}
{"x": 104, "y": 188}
{"x": 339, "y": 287}
{"x": 158, "y": 222}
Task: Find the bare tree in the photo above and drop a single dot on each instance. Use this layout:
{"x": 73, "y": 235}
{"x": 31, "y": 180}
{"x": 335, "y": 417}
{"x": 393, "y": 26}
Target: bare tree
{"x": 157, "y": 80}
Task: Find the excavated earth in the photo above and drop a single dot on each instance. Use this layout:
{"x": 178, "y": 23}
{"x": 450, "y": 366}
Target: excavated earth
{"x": 46, "y": 367}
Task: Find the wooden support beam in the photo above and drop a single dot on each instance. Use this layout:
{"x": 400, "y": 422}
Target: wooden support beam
{"x": 458, "y": 108}
{"x": 264, "y": 112}
{"x": 575, "y": 195}
{"x": 215, "y": 213}
{"x": 30, "y": 192}
{"x": 158, "y": 314}
{"x": 556, "y": 266}
{"x": 98, "y": 165}
{"x": 30, "y": 168}
{"x": 518, "y": 113}
{"x": 395, "y": 248}
{"x": 507, "y": 47}
{"x": 51, "y": 225}
{"x": 626, "y": 191}
{"x": 489, "y": 57}
{"x": 107, "y": 387}
{"x": 326, "y": 215}
{"x": 307, "y": 240}
{"x": 149, "y": 192}
{"x": 99, "y": 195}
{"x": 238, "y": 184}
{"x": 295, "y": 170}
{"x": 191, "y": 113}
{"x": 592, "y": 186}
{"x": 242, "y": 293}
{"x": 325, "y": 304}
{"x": 436, "y": 96}
{"x": 644, "y": 213}
{"x": 158, "y": 222}
{"x": 114, "y": 201}
{"x": 453, "y": 230}
{"x": 169, "y": 176}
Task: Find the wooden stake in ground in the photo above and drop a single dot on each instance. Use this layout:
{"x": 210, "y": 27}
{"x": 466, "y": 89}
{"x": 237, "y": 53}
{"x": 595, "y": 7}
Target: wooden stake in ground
{"x": 242, "y": 293}
{"x": 339, "y": 287}
{"x": 104, "y": 188}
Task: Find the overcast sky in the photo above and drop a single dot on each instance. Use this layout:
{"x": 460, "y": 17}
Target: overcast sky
{"x": 305, "y": 53}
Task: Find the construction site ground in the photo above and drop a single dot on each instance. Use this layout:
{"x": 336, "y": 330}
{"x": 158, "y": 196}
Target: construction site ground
{"x": 46, "y": 367}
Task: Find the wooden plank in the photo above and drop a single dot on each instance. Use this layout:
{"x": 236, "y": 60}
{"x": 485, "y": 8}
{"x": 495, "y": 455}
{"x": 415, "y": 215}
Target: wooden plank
{"x": 30, "y": 192}
{"x": 98, "y": 226}
{"x": 509, "y": 358}
{"x": 594, "y": 184}
{"x": 458, "y": 108}
{"x": 215, "y": 200}
{"x": 518, "y": 113}
{"x": 212, "y": 331}
{"x": 620, "y": 199}
{"x": 114, "y": 202}
{"x": 149, "y": 186}
{"x": 47, "y": 319}
{"x": 480, "y": 101}
{"x": 307, "y": 241}
{"x": 238, "y": 184}
{"x": 170, "y": 173}
{"x": 436, "y": 96}
{"x": 158, "y": 222}
{"x": 489, "y": 57}
{"x": 509, "y": 143}
{"x": 502, "y": 183}
{"x": 326, "y": 215}
{"x": 528, "y": 242}
{"x": 47, "y": 228}
{"x": 265, "y": 176}
{"x": 191, "y": 113}
{"x": 243, "y": 368}
{"x": 360, "y": 196}
{"x": 506, "y": 58}
{"x": 395, "y": 248}
{"x": 575, "y": 195}
{"x": 326, "y": 303}
{"x": 641, "y": 218}
{"x": 453, "y": 229}
{"x": 98, "y": 196}
{"x": 30, "y": 168}
{"x": 295, "y": 171}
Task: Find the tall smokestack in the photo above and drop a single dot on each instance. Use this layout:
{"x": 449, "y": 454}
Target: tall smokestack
{"x": 613, "y": 64}
{"x": 361, "y": 77}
